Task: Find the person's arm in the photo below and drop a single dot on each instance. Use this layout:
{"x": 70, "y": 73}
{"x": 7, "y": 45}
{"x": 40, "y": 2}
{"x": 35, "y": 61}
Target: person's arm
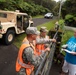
{"x": 73, "y": 53}
{"x": 29, "y": 55}
{"x": 44, "y": 40}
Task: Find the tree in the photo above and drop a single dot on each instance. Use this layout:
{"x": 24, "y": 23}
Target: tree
{"x": 69, "y": 7}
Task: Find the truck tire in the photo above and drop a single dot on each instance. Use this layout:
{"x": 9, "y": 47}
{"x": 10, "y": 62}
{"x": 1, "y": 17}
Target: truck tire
{"x": 9, "y": 37}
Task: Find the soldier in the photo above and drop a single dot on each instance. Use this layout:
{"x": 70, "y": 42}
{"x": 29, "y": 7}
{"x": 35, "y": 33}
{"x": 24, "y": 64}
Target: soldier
{"x": 43, "y": 40}
{"x": 28, "y": 59}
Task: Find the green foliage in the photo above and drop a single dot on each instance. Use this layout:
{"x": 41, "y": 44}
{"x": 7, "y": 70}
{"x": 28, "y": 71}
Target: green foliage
{"x": 38, "y": 9}
{"x": 69, "y": 7}
{"x": 30, "y": 8}
{"x": 61, "y": 21}
{"x": 67, "y": 17}
{"x": 74, "y": 18}
{"x": 61, "y": 24}
{"x": 50, "y": 4}
{"x": 66, "y": 36}
{"x": 2, "y": 0}
{"x": 70, "y": 20}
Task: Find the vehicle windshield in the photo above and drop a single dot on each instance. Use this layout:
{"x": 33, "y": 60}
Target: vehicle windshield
{"x": 49, "y": 13}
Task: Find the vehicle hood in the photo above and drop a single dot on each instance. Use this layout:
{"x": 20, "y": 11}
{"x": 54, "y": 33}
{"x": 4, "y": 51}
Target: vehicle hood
{"x": 6, "y": 23}
{"x": 47, "y": 15}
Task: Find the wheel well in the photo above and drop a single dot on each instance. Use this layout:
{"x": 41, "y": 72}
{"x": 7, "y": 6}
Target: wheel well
{"x": 31, "y": 23}
{"x": 12, "y": 29}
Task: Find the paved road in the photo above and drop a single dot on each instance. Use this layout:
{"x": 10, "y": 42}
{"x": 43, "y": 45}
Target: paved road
{"x": 39, "y": 21}
{"x": 8, "y": 55}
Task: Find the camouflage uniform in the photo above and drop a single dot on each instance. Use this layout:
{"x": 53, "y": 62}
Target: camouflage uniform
{"x": 42, "y": 40}
{"x": 28, "y": 55}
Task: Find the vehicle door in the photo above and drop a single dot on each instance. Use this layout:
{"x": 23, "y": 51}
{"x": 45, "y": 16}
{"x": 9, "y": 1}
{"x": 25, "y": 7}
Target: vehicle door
{"x": 25, "y": 22}
{"x": 19, "y": 22}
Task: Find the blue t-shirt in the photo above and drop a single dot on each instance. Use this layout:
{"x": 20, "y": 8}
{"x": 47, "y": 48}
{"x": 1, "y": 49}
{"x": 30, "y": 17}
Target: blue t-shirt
{"x": 71, "y": 47}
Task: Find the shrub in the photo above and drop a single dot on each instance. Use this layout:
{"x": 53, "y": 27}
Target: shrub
{"x": 70, "y": 20}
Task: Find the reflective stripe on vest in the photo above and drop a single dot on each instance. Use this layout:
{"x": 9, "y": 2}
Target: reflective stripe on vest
{"x": 41, "y": 51}
{"x": 24, "y": 65}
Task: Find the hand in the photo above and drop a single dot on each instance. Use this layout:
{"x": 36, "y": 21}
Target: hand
{"x": 47, "y": 49}
{"x": 52, "y": 40}
{"x": 46, "y": 45}
{"x": 73, "y": 53}
{"x": 61, "y": 50}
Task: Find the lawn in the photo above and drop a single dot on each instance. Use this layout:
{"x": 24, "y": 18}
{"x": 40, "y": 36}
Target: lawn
{"x": 49, "y": 25}
{"x": 18, "y": 40}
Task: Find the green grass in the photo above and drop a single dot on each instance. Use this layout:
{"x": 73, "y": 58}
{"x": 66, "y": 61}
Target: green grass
{"x": 49, "y": 25}
{"x": 18, "y": 40}
{"x": 66, "y": 36}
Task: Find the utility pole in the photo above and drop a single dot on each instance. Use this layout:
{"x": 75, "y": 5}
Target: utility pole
{"x": 60, "y": 9}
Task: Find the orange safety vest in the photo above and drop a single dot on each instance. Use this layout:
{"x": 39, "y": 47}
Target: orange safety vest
{"x": 41, "y": 47}
{"x": 19, "y": 63}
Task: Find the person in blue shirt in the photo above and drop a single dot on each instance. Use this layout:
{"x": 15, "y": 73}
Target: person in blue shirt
{"x": 69, "y": 65}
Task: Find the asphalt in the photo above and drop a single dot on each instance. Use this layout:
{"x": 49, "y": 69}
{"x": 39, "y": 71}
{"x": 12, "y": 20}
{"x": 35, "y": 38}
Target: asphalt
{"x": 39, "y": 21}
{"x": 8, "y": 55}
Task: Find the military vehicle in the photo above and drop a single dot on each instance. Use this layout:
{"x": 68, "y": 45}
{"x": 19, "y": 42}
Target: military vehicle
{"x": 11, "y": 23}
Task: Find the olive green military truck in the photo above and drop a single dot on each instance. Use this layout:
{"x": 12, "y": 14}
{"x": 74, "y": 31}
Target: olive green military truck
{"x": 11, "y": 23}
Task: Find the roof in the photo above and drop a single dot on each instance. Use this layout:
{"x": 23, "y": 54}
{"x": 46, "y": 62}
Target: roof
{"x": 14, "y": 12}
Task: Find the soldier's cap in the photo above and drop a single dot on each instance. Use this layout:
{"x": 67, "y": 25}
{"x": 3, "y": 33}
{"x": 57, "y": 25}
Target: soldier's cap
{"x": 43, "y": 29}
{"x": 32, "y": 30}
